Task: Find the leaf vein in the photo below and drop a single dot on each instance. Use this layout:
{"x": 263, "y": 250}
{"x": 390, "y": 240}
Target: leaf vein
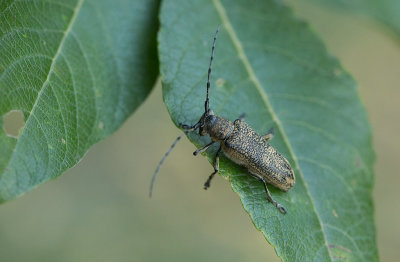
{"x": 349, "y": 237}
{"x": 328, "y": 136}
{"x": 22, "y": 59}
{"x": 336, "y": 174}
{"x": 114, "y": 57}
{"x": 319, "y": 102}
{"x": 51, "y": 69}
{"x": 86, "y": 59}
{"x": 224, "y": 17}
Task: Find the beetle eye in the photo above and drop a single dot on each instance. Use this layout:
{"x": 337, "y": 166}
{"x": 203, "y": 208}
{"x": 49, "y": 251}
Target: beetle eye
{"x": 202, "y": 131}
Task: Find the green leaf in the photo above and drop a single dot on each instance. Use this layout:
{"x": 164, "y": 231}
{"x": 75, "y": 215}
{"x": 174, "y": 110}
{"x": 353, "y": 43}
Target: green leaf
{"x": 76, "y": 69}
{"x": 275, "y": 69}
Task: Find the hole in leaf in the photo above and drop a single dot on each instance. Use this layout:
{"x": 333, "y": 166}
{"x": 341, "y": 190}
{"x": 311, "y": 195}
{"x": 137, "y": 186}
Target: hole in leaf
{"x": 13, "y": 123}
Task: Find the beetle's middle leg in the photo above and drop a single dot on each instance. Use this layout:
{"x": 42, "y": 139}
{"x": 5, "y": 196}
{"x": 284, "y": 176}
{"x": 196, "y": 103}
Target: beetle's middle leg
{"x": 269, "y": 197}
{"x": 204, "y": 148}
{"x": 216, "y": 169}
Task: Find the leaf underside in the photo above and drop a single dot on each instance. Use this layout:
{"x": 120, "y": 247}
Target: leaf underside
{"x": 76, "y": 69}
{"x": 272, "y": 67}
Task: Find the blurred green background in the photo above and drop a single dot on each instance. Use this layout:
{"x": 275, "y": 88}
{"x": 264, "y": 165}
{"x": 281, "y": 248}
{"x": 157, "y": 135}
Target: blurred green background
{"x": 100, "y": 210}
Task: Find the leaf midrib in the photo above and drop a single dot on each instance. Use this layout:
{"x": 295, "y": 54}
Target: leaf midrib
{"x": 242, "y": 56}
{"x": 51, "y": 69}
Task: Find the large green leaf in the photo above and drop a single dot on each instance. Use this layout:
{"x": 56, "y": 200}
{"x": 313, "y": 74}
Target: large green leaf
{"x": 273, "y": 67}
{"x": 76, "y": 69}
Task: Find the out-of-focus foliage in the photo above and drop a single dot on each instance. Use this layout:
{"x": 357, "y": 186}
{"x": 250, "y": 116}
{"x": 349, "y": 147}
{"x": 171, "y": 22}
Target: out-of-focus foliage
{"x": 385, "y": 11}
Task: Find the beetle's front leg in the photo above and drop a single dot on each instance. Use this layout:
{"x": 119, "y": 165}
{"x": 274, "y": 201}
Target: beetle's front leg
{"x": 189, "y": 128}
{"x": 216, "y": 169}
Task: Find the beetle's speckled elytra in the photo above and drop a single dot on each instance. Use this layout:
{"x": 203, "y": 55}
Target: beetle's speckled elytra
{"x": 240, "y": 143}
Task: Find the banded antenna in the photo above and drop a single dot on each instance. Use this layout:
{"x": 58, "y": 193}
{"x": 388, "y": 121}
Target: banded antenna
{"x": 187, "y": 131}
{"x": 153, "y": 179}
{"x": 188, "y": 128}
{"x": 206, "y": 105}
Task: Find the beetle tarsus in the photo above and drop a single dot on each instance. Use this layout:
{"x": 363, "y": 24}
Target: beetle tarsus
{"x": 281, "y": 208}
{"x": 269, "y": 197}
{"x": 216, "y": 169}
{"x": 207, "y": 184}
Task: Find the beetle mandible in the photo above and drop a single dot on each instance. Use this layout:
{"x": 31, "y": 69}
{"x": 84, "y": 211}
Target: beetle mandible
{"x": 241, "y": 144}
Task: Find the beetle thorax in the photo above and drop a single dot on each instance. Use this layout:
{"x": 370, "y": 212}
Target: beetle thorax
{"x": 217, "y": 127}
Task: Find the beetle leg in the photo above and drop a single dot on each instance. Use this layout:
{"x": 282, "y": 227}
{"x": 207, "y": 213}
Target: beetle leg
{"x": 269, "y": 197}
{"x": 189, "y": 128}
{"x": 216, "y": 169}
{"x": 268, "y": 136}
{"x": 242, "y": 116}
{"x": 204, "y": 148}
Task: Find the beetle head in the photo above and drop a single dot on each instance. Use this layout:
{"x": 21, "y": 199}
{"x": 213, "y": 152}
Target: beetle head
{"x": 204, "y": 122}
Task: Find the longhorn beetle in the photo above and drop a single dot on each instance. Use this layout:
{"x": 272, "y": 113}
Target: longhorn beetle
{"x": 242, "y": 145}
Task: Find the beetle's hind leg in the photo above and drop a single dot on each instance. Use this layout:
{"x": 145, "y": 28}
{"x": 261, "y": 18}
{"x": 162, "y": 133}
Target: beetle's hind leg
{"x": 216, "y": 169}
{"x": 269, "y": 197}
{"x": 268, "y": 136}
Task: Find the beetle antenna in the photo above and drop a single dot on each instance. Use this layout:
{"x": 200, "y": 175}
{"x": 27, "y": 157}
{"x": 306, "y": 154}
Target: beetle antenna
{"x": 153, "y": 179}
{"x": 206, "y": 105}
{"x": 187, "y": 131}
